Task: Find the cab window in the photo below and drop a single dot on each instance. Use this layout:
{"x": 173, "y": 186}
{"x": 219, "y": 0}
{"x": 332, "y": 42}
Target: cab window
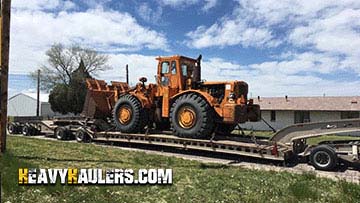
{"x": 184, "y": 69}
{"x": 173, "y": 67}
{"x": 165, "y": 67}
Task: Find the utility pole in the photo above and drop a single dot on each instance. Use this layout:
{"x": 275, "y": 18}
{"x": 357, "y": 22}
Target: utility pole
{"x": 38, "y": 95}
{"x": 4, "y": 63}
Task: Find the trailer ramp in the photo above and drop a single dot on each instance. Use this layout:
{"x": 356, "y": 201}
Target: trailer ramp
{"x": 308, "y": 130}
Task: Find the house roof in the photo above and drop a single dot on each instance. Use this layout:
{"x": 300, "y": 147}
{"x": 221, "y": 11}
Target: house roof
{"x": 43, "y": 97}
{"x": 348, "y": 103}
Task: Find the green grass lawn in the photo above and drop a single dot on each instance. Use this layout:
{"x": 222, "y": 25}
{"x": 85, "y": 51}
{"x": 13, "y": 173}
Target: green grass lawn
{"x": 192, "y": 181}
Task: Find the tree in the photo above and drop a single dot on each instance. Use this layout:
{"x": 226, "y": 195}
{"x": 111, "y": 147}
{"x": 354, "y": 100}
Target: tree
{"x": 77, "y": 91}
{"x": 66, "y": 73}
{"x": 63, "y": 61}
{"x": 65, "y": 98}
{"x": 58, "y": 99}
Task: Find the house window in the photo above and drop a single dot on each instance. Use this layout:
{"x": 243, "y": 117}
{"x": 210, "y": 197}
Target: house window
{"x": 302, "y": 116}
{"x": 349, "y": 114}
{"x": 273, "y": 116}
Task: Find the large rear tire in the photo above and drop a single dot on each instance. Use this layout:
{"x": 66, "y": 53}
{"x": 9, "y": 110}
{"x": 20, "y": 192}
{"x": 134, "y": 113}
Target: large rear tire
{"x": 129, "y": 115}
{"x": 191, "y": 116}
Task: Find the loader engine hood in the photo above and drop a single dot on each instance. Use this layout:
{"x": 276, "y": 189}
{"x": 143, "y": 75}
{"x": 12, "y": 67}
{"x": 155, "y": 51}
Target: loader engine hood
{"x": 226, "y": 89}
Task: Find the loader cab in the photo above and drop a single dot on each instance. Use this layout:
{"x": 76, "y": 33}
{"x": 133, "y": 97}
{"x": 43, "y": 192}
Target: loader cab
{"x": 176, "y": 72}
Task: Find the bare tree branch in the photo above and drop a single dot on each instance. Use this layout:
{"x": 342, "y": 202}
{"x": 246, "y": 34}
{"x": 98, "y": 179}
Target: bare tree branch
{"x": 63, "y": 61}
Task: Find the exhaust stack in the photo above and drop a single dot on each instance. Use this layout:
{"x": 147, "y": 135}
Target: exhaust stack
{"x": 197, "y": 70}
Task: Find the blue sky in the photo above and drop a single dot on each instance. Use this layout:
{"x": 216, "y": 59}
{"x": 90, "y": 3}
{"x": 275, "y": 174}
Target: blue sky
{"x": 286, "y": 47}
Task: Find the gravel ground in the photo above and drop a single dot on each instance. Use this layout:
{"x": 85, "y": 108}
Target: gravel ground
{"x": 343, "y": 173}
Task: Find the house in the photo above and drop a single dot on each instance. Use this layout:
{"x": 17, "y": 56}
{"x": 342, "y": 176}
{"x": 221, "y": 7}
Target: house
{"x": 24, "y": 104}
{"x": 280, "y": 112}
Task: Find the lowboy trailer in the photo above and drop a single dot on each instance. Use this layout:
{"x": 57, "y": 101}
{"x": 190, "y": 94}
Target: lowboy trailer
{"x": 288, "y": 144}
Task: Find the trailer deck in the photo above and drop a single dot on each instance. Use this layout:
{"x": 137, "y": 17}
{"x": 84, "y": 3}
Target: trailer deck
{"x": 285, "y": 145}
{"x": 264, "y": 150}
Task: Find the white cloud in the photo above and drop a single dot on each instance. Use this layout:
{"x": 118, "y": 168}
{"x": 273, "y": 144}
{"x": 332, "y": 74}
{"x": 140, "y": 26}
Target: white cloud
{"x": 335, "y": 33}
{"x": 67, "y": 5}
{"x": 178, "y": 3}
{"x": 34, "y": 31}
{"x": 263, "y": 18}
{"x": 323, "y": 36}
{"x": 230, "y": 32}
{"x": 209, "y": 4}
{"x": 148, "y": 14}
{"x": 139, "y": 66}
{"x": 42, "y": 5}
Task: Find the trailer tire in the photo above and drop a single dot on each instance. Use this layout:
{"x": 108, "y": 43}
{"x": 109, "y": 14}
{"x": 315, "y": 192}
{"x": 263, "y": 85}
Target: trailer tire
{"x": 61, "y": 133}
{"x": 82, "y": 136}
{"x": 323, "y": 157}
{"x": 129, "y": 115}
{"x": 26, "y": 130}
{"x": 191, "y": 116}
{"x": 12, "y": 129}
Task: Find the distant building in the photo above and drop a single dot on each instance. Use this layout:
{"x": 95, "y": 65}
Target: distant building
{"x": 24, "y": 104}
{"x": 280, "y": 112}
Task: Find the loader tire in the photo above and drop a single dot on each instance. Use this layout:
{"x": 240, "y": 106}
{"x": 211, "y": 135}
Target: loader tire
{"x": 191, "y": 116}
{"x": 129, "y": 115}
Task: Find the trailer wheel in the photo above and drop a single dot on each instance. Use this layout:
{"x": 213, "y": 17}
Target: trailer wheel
{"x": 12, "y": 128}
{"x": 324, "y": 158}
{"x": 60, "y": 133}
{"x": 26, "y": 130}
{"x": 82, "y": 136}
{"x": 129, "y": 115}
{"x": 191, "y": 116}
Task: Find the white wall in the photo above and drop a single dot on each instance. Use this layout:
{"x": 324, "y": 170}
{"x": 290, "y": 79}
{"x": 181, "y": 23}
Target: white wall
{"x": 316, "y": 116}
{"x": 283, "y": 118}
{"x": 21, "y": 105}
{"x": 286, "y": 118}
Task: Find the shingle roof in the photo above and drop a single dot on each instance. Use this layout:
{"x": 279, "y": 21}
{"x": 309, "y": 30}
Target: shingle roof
{"x": 349, "y": 103}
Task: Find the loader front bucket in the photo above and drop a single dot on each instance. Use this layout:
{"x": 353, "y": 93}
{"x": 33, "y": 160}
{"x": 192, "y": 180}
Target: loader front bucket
{"x": 100, "y": 98}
